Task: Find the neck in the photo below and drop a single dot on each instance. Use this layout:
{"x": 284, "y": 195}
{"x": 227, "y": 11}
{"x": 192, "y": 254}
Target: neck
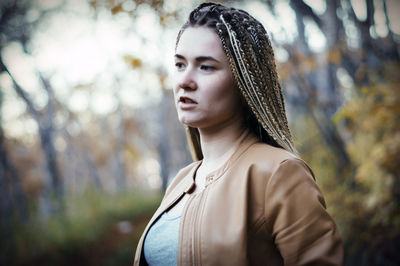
{"x": 218, "y": 144}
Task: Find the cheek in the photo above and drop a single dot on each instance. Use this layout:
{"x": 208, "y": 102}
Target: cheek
{"x": 225, "y": 92}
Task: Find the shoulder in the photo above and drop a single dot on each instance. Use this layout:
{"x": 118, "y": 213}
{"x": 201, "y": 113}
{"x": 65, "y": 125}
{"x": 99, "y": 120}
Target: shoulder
{"x": 294, "y": 209}
{"x": 263, "y": 150}
{"x": 268, "y": 159}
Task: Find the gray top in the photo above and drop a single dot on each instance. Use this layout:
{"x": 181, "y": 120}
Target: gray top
{"x": 161, "y": 242}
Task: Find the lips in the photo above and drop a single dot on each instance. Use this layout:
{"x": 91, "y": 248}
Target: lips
{"x": 186, "y": 103}
{"x": 184, "y": 99}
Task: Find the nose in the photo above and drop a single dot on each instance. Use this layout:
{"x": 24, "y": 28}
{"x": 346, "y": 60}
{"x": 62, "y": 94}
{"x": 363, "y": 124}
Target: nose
{"x": 186, "y": 80}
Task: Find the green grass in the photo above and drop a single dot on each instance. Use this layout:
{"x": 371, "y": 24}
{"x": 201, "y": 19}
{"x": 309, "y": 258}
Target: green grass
{"x": 89, "y": 232}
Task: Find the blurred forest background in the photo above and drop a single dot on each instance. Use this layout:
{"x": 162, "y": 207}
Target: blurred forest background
{"x": 89, "y": 137}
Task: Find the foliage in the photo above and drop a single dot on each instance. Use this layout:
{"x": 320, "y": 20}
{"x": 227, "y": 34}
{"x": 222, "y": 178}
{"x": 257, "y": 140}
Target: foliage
{"x": 349, "y": 134}
{"x": 96, "y": 229}
{"x": 373, "y": 123}
{"x": 365, "y": 201}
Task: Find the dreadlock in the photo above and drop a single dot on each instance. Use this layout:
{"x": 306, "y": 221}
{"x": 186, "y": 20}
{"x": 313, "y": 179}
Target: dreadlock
{"x": 252, "y": 62}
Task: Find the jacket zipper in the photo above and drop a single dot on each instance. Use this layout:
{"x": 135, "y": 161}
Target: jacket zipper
{"x": 196, "y": 246}
{"x": 182, "y": 229}
{"x": 189, "y": 220}
{"x": 194, "y": 235}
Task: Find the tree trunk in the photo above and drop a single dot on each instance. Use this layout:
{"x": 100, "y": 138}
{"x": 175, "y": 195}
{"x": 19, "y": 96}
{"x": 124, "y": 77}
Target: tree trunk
{"x": 5, "y": 202}
{"x": 308, "y": 91}
{"x": 120, "y": 139}
{"x": 163, "y": 140}
{"x": 13, "y": 191}
{"x": 46, "y": 131}
{"x": 393, "y": 51}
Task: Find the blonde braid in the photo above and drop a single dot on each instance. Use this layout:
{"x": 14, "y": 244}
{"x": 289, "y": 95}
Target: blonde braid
{"x": 252, "y": 62}
{"x": 265, "y": 103}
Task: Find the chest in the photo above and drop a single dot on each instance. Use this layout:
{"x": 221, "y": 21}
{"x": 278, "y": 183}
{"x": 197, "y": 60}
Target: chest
{"x": 220, "y": 223}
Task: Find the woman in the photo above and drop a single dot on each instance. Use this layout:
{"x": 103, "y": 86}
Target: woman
{"x": 247, "y": 199}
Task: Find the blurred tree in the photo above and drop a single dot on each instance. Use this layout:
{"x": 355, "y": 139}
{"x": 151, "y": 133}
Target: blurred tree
{"x": 11, "y": 192}
{"x": 171, "y": 140}
{"x": 322, "y": 96}
{"x": 121, "y": 139}
{"x": 373, "y": 123}
{"x": 360, "y": 128}
{"x": 308, "y": 85}
{"x": 15, "y": 27}
{"x": 344, "y": 96}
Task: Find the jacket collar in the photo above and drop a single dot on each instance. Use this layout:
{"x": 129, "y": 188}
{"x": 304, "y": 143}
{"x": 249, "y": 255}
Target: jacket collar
{"x": 248, "y": 140}
{"x": 187, "y": 184}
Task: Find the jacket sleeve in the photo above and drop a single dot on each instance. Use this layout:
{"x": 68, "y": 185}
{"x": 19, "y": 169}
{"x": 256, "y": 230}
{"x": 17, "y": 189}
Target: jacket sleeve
{"x": 296, "y": 216}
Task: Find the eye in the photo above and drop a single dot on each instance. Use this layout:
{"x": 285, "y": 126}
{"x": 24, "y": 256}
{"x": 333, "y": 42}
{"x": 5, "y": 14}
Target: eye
{"x": 207, "y": 67}
{"x": 179, "y": 65}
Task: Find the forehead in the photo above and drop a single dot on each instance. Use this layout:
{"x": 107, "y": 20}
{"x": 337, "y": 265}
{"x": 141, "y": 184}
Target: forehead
{"x": 200, "y": 41}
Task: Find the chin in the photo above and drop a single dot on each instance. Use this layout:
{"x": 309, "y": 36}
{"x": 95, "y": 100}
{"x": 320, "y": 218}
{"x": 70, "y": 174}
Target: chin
{"x": 196, "y": 121}
{"x": 190, "y": 123}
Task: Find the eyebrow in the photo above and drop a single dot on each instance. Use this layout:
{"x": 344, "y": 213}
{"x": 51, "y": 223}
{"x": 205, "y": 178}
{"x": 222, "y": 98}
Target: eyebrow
{"x": 199, "y": 58}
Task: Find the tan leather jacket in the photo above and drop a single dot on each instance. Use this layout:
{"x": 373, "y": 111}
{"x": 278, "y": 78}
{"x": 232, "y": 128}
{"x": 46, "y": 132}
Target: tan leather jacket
{"x": 262, "y": 207}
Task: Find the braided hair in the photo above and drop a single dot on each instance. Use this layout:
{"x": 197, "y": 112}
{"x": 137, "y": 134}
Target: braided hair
{"x": 252, "y": 62}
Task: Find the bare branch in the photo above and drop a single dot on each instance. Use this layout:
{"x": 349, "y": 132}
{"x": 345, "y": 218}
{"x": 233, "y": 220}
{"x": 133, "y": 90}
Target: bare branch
{"x": 306, "y": 11}
{"x": 24, "y": 95}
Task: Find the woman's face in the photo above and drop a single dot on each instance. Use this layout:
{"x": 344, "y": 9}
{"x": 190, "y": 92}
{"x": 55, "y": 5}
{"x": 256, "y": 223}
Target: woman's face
{"x": 204, "y": 90}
